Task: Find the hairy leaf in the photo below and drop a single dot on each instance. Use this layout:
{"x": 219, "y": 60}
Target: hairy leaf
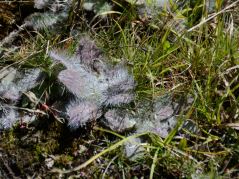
{"x": 81, "y": 112}
{"x": 91, "y": 79}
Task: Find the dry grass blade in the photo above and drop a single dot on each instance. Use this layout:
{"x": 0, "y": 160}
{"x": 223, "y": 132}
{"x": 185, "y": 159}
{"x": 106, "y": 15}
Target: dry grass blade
{"x": 92, "y": 159}
{"x": 233, "y": 125}
{"x": 213, "y": 16}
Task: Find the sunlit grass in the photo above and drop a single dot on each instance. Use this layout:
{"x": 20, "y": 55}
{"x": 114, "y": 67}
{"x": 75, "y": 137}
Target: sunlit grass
{"x": 201, "y": 63}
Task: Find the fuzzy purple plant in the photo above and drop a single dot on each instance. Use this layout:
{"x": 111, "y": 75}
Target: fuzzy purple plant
{"x": 12, "y": 86}
{"x": 8, "y": 117}
{"x": 81, "y": 112}
{"x": 120, "y": 86}
{"x": 88, "y": 51}
{"x": 119, "y": 120}
{"x": 93, "y": 81}
{"x": 16, "y": 82}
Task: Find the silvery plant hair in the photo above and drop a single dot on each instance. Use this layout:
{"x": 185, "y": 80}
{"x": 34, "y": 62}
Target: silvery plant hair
{"x": 110, "y": 86}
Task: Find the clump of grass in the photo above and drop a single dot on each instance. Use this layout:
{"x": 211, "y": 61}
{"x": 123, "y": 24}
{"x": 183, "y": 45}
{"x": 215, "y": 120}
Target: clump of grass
{"x": 201, "y": 63}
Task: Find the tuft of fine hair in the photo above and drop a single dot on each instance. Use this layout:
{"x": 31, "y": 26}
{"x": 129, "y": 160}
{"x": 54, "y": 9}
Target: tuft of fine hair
{"x": 83, "y": 85}
{"x": 39, "y": 21}
{"x": 87, "y": 50}
{"x": 120, "y": 86}
{"x": 8, "y": 117}
{"x": 16, "y": 82}
{"x": 70, "y": 62}
{"x": 40, "y": 4}
{"x": 90, "y": 55}
{"x": 82, "y": 112}
{"x": 119, "y": 99}
{"x": 110, "y": 86}
{"x": 119, "y": 120}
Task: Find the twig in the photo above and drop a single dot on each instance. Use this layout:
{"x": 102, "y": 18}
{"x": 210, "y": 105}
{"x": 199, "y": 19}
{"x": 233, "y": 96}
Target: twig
{"x": 211, "y": 17}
